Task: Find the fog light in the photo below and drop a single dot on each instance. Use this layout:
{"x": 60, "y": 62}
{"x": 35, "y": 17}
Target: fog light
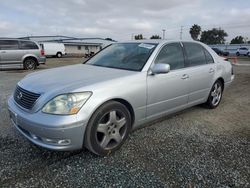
{"x": 57, "y": 142}
{"x": 50, "y": 141}
{"x": 64, "y": 142}
{"x": 34, "y": 136}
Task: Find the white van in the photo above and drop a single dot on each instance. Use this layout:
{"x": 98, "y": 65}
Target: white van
{"x": 53, "y": 49}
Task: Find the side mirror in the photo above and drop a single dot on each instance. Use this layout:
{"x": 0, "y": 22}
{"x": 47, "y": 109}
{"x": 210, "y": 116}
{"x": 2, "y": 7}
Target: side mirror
{"x": 160, "y": 68}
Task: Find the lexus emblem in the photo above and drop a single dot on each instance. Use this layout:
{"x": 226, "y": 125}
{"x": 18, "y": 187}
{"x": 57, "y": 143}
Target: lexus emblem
{"x": 19, "y": 95}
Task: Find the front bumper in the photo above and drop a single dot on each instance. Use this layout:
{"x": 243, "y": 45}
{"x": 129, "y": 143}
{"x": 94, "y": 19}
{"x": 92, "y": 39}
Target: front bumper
{"x": 64, "y": 133}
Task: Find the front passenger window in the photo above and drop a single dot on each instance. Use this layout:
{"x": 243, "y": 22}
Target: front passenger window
{"x": 171, "y": 54}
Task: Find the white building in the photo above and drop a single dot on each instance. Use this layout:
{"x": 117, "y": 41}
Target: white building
{"x": 73, "y": 45}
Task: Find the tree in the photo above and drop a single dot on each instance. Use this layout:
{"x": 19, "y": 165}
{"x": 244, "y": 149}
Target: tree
{"x": 155, "y": 37}
{"x": 213, "y": 36}
{"x": 237, "y": 40}
{"x": 195, "y": 31}
{"x": 139, "y": 37}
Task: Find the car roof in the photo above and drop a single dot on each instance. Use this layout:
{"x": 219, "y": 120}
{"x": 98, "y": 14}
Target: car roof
{"x": 152, "y": 41}
{"x": 158, "y": 41}
{"x": 6, "y": 38}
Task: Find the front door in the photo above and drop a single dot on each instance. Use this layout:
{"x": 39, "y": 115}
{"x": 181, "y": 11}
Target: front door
{"x": 168, "y": 92}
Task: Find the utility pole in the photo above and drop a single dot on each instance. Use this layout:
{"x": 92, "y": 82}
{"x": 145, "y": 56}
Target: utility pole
{"x": 181, "y": 32}
{"x": 163, "y": 34}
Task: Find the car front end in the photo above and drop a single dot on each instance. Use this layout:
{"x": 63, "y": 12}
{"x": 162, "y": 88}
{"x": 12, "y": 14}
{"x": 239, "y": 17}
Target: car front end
{"x": 51, "y": 126}
{"x": 53, "y": 113}
{"x": 46, "y": 111}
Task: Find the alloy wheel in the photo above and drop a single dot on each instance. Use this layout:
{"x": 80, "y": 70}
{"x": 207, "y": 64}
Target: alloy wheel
{"x": 111, "y": 129}
{"x": 216, "y": 94}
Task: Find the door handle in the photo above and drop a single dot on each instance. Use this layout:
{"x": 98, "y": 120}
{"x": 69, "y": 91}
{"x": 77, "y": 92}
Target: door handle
{"x": 184, "y": 77}
{"x": 211, "y": 70}
{"x": 3, "y": 52}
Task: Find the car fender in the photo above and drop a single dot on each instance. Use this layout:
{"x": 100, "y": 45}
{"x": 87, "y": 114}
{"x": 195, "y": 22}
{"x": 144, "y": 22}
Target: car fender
{"x": 29, "y": 55}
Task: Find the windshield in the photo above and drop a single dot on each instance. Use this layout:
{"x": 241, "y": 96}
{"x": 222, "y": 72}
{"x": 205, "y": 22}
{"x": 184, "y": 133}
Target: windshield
{"x": 128, "y": 56}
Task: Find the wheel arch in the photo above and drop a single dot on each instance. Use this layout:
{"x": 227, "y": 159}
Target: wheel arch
{"x": 128, "y": 106}
{"x": 122, "y": 101}
{"x": 30, "y": 57}
{"x": 222, "y": 81}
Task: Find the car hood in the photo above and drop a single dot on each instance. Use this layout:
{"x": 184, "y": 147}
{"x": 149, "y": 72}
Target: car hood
{"x": 73, "y": 77}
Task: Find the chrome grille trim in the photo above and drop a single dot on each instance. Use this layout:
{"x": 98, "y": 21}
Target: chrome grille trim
{"x": 24, "y": 98}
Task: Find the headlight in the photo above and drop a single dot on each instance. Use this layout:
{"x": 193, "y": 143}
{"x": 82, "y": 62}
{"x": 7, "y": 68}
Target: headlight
{"x": 66, "y": 104}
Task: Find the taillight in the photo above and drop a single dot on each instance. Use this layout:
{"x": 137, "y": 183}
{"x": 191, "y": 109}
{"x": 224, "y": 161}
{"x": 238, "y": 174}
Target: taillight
{"x": 42, "y": 52}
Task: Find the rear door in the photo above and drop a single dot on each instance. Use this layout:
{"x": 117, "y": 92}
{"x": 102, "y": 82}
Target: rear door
{"x": 10, "y": 54}
{"x": 201, "y": 70}
{"x": 28, "y": 48}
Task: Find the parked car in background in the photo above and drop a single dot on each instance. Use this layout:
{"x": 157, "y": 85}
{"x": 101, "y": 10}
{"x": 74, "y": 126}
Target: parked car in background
{"x": 17, "y": 53}
{"x": 242, "y": 51}
{"x": 220, "y": 52}
{"x": 89, "y": 54}
{"x": 53, "y": 49}
{"x": 119, "y": 89}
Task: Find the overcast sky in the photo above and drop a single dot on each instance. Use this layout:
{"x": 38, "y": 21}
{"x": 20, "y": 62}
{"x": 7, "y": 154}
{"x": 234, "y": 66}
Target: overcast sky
{"x": 120, "y": 19}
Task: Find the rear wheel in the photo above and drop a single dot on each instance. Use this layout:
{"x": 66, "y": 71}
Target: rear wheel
{"x": 215, "y": 95}
{"x": 108, "y": 128}
{"x": 237, "y": 53}
{"x": 29, "y": 64}
{"x": 59, "y": 55}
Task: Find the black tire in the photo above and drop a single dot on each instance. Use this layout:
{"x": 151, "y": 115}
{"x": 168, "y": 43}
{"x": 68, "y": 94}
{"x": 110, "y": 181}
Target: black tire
{"x": 30, "y": 64}
{"x": 58, "y": 54}
{"x": 211, "y": 101}
{"x": 237, "y": 53}
{"x": 104, "y": 141}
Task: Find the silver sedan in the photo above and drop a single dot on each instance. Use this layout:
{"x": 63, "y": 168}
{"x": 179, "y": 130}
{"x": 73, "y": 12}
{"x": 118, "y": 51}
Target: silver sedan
{"x": 97, "y": 104}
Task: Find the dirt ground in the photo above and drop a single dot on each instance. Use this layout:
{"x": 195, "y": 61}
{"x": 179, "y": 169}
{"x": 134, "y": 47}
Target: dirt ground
{"x": 194, "y": 148}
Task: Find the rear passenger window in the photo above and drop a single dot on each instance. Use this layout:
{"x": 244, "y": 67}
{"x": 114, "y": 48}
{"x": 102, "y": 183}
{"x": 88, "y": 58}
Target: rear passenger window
{"x": 209, "y": 58}
{"x": 8, "y": 44}
{"x": 29, "y": 45}
{"x": 171, "y": 54}
{"x": 195, "y": 54}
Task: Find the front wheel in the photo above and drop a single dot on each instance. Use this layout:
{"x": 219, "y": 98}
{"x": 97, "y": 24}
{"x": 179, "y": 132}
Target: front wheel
{"x": 215, "y": 95}
{"x": 108, "y": 128}
{"x": 238, "y": 54}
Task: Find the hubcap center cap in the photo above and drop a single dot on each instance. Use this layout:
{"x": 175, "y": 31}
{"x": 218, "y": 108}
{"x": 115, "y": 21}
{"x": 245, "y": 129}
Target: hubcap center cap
{"x": 112, "y": 128}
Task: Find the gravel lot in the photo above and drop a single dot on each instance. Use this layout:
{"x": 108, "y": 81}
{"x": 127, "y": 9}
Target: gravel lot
{"x": 194, "y": 148}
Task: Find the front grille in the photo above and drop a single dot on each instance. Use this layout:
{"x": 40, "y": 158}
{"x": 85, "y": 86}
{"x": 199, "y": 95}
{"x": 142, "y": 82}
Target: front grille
{"x": 25, "y": 98}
